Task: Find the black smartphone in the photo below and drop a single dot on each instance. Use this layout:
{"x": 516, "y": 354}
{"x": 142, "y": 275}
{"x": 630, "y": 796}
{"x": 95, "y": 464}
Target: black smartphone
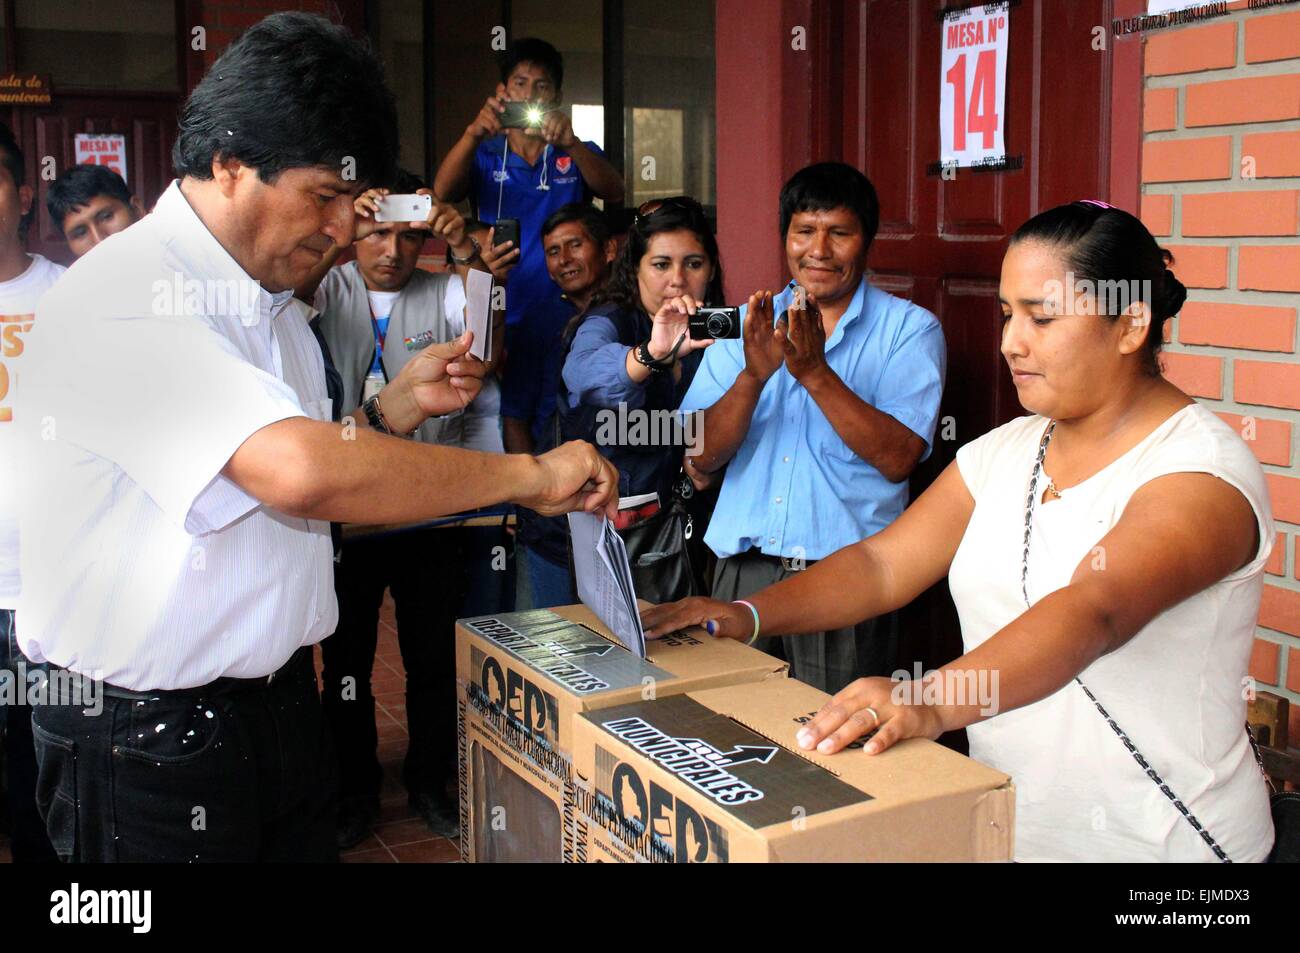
{"x": 506, "y": 230}
{"x": 523, "y": 115}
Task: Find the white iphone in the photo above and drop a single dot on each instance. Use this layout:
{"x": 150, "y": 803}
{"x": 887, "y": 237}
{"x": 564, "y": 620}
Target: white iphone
{"x": 404, "y": 208}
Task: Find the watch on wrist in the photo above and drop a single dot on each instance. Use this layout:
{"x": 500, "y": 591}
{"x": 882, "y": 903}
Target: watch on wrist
{"x": 375, "y": 416}
{"x": 468, "y": 259}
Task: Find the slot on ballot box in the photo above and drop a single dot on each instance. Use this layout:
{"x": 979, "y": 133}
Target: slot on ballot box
{"x": 522, "y": 678}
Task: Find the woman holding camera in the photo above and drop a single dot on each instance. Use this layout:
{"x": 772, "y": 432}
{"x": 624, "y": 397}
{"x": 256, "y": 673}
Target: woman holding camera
{"x": 1105, "y": 555}
{"x": 632, "y": 349}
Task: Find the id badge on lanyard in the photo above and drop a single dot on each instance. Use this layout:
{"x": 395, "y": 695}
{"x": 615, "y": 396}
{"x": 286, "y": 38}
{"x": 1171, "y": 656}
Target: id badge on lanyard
{"x": 375, "y": 379}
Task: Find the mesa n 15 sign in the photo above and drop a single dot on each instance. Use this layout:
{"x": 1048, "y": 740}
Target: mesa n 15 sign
{"x": 973, "y": 87}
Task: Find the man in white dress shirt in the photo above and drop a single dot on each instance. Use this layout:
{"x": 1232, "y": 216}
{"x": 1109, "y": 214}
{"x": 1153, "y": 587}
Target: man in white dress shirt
{"x": 183, "y": 472}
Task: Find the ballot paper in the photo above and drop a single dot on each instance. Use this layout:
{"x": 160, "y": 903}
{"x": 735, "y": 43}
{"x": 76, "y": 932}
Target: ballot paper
{"x": 636, "y": 502}
{"x": 605, "y": 578}
{"x": 478, "y": 312}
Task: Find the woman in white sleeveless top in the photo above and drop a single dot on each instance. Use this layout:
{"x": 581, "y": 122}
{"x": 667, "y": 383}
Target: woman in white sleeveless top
{"x": 1138, "y": 579}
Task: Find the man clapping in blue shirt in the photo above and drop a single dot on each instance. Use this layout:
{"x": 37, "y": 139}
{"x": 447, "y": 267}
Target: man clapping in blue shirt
{"x": 819, "y": 414}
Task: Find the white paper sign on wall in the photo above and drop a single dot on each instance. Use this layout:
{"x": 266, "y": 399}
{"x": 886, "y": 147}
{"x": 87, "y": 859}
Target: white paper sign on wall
{"x": 973, "y": 85}
{"x": 106, "y": 149}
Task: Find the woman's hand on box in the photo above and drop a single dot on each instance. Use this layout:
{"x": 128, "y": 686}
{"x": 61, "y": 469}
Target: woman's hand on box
{"x": 725, "y": 620}
{"x": 893, "y": 710}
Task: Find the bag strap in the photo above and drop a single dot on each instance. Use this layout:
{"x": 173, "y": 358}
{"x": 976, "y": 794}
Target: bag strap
{"x": 1159, "y": 781}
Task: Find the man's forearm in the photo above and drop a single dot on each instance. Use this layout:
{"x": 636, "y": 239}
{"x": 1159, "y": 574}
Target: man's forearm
{"x": 597, "y": 172}
{"x": 452, "y": 179}
{"x": 876, "y": 437}
{"x": 726, "y": 423}
{"x": 368, "y": 477}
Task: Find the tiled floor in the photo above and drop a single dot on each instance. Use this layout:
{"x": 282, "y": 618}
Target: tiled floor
{"x": 399, "y": 837}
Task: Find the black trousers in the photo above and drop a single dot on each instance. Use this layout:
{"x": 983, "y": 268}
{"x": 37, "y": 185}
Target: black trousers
{"x": 240, "y": 770}
{"x": 828, "y": 660}
{"x": 426, "y": 572}
{"x": 27, "y": 831}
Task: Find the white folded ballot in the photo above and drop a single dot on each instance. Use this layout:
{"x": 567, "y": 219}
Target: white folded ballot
{"x": 605, "y": 578}
{"x": 478, "y": 313}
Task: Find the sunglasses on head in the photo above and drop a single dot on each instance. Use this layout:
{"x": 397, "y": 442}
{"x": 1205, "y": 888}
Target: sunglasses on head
{"x": 683, "y": 202}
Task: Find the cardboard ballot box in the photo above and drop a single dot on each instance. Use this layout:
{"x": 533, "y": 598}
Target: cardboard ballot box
{"x": 717, "y": 776}
{"x": 522, "y": 678}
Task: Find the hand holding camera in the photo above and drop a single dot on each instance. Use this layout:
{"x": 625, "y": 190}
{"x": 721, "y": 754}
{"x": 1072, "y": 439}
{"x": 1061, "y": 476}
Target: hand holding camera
{"x": 557, "y": 129}
{"x": 366, "y": 208}
{"x": 669, "y": 333}
{"x": 445, "y": 221}
{"x": 764, "y": 349}
{"x": 488, "y": 121}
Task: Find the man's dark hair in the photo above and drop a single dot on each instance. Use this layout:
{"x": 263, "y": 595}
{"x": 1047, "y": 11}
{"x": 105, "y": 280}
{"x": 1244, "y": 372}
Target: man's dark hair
{"x": 532, "y": 50}
{"x": 406, "y": 182}
{"x": 588, "y": 216}
{"x": 827, "y": 185}
{"x": 293, "y": 91}
{"x": 79, "y": 185}
{"x": 11, "y": 157}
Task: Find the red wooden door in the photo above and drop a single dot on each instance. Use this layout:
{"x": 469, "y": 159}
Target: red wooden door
{"x": 148, "y": 120}
{"x": 941, "y": 242}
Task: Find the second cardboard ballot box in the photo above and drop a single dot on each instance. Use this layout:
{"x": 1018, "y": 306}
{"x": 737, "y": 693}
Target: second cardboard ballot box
{"x": 522, "y": 679}
{"x": 717, "y": 776}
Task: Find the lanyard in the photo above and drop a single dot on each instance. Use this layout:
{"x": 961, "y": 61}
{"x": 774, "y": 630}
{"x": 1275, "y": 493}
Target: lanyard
{"x": 542, "y": 186}
{"x": 380, "y": 336}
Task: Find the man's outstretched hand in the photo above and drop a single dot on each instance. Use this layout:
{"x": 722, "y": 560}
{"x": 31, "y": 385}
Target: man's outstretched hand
{"x": 573, "y": 476}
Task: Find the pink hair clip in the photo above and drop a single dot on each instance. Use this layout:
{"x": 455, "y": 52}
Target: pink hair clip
{"x": 1095, "y": 202}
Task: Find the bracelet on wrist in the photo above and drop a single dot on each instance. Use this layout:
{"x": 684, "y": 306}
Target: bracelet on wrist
{"x": 742, "y": 602}
{"x": 641, "y": 354}
{"x": 657, "y": 365}
{"x": 469, "y": 259}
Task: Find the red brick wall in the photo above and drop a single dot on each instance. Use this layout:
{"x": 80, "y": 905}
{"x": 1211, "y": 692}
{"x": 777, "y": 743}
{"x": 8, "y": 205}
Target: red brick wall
{"x": 1221, "y": 188}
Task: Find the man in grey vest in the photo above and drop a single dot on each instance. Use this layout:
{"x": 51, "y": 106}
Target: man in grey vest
{"x": 376, "y": 313}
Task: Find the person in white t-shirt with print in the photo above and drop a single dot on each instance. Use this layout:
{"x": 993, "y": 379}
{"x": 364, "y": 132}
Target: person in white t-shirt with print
{"x": 1105, "y": 554}
{"x": 24, "y": 278}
